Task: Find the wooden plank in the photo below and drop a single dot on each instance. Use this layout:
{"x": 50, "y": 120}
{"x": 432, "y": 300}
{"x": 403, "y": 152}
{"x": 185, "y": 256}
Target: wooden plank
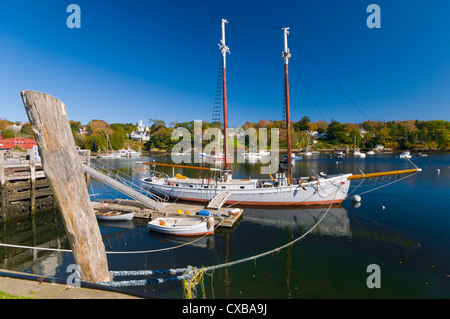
{"x": 26, "y": 184}
{"x": 222, "y": 216}
{"x": 24, "y": 176}
{"x": 3, "y": 190}
{"x": 62, "y": 166}
{"x": 26, "y": 194}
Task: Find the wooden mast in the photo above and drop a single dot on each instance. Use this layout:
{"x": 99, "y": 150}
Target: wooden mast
{"x": 224, "y": 49}
{"x": 286, "y": 56}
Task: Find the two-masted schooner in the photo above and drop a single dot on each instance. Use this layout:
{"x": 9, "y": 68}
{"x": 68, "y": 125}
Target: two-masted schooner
{"x": 281, "y": 190}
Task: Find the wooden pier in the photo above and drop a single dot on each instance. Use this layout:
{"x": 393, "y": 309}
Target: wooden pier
{"x": 24, "y": 188}
{"x": 223, "y": 217}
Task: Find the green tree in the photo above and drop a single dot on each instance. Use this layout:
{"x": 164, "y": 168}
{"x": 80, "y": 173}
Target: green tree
{"x": 304, "y": 124}
{"x": 336, "y": 133}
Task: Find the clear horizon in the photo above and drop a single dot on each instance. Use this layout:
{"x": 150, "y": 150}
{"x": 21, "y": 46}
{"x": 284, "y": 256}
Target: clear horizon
{"x": 160, "y": 60}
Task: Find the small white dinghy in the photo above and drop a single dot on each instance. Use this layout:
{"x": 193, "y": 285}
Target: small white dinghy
{"x": 114, "y": 216}
{"x": 183, "y": 226}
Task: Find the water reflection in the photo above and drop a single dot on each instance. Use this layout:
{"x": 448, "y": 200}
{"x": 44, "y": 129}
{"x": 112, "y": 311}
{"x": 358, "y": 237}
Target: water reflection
{"x": 44, "y": 230}
{"x": 201, "y": 242}
{"x": 336, "y": 223}
{"x": 413, "y": 229}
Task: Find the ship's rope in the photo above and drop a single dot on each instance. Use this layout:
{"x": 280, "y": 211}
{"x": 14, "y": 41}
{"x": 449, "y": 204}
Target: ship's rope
{"x": 192, "y": 276}
{"x": 384, "y": 185}
{"x": 381, "y": 186}
{"x": 115, "y": 252}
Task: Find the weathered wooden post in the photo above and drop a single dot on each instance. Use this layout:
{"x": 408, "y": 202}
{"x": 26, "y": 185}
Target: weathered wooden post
{"x": 88, "y": 163}
{"x": 62, "y": 166}
{"x": 3, "y": 190}
{"x": 32, "y": 182}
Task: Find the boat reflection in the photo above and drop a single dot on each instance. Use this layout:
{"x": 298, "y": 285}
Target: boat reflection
{"x": 126, "y": 224}
{"x": 200, "y": 242}
{"x": 336, "y": 223}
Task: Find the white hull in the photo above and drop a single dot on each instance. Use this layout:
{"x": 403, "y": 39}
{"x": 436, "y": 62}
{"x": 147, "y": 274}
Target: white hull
{"x": 359, "y": 154}
{"x": 114, "y": 216}
{"x": 127, "y": 153}
{"x": 182, "y": 226}
{"x": 254, "y": 192}
{"x": 406, "y": 154}
{"x": 259, "y": 154}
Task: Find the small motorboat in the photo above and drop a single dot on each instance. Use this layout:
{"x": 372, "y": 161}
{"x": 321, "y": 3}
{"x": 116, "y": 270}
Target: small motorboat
{"x": 183, "y": 226}
{"x": 405, "y": 154}
{"x": 339, "y": 154}
{"x": 114, "y": 215}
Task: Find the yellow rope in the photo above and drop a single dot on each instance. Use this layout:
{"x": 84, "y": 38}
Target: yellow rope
{"x": 190, "y": 284}
{"x": 195, "y": 277}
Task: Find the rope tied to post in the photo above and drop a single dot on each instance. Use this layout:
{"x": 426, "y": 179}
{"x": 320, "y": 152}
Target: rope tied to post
{"x": 194, "y": 277}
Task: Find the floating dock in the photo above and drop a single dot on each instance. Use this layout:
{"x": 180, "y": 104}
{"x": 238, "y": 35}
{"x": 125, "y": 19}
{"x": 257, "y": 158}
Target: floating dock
{"x": 223, "y": 217}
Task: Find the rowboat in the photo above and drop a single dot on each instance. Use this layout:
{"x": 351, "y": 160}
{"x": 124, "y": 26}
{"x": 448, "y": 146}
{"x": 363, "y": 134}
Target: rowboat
{"x": 183, "y": 226}
{"x": 114, "y": 215}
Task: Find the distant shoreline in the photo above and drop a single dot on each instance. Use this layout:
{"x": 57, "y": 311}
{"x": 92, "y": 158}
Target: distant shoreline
{"x": 322, "y": 151}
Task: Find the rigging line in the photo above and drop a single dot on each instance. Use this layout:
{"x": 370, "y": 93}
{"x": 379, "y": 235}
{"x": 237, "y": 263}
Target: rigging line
{"x": 307, "y": 90}
{"x": 381, "y": 186}
{"x": 228, "y": 264}
{"x": 255, "y": 26}
{"x": 412, "y": 163}
{"x": 113, "y": 252}
{"x": 329, "y": 78}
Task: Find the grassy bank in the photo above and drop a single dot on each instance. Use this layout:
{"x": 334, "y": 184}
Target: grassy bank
{"x": 5, "y": 295}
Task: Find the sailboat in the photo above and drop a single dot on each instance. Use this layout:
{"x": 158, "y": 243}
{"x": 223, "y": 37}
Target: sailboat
{"x": 107, "y": 155}
{"x": 281, "y": 190}
{"x": 357, "y": 152}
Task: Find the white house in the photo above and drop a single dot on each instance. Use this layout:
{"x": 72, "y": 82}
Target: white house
{"x": 142, "y": 133}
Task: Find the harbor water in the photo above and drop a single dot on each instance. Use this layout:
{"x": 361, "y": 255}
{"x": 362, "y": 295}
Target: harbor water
{"x": 403, "y": 227}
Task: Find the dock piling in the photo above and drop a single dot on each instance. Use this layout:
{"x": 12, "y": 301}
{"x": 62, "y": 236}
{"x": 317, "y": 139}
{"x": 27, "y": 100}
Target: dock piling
{"x": 62, "y": 166}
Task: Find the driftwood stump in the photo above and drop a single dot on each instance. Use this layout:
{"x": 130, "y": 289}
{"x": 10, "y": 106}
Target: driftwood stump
{"x": 62, "y": 166}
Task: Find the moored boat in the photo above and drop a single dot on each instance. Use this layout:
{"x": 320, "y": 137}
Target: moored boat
{"x": 183, "y": 226}
{"x": 254, "y": 192}
{"x": 128, "y": 153}
{"x": 339, "y": 154}
{"x": 282, "y": 190}
{"x": 405, "y": 154}
{"x": 358, "y": 153}
{"x": 108, "y": 154}
{"x": 114, "y": 215}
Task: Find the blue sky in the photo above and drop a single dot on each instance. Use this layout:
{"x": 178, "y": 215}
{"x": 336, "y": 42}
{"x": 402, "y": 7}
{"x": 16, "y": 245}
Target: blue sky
{"x": 135, "y": 60}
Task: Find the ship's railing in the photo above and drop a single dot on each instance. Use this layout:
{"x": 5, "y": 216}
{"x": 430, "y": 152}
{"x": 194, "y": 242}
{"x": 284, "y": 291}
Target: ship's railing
{"x": 131, "y": 181}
